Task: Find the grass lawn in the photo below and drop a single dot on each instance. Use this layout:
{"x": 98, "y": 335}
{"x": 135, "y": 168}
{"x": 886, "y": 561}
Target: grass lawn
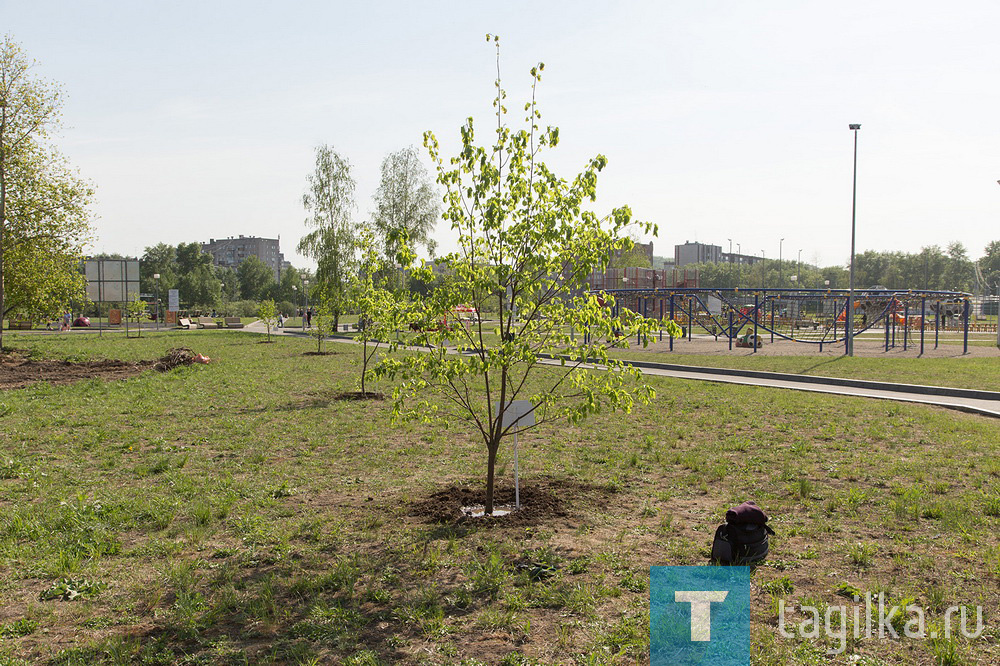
{"x": 239, "y": 513}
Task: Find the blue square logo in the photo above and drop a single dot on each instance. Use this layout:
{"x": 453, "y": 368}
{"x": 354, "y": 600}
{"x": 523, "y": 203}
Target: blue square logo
{"x": 699, "y": 616}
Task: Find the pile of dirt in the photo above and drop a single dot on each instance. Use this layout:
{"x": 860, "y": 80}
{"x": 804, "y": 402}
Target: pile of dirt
{"x": 175, "y": 357}
{"x": 541, "y": 499}
{"x": 17, "y": 370}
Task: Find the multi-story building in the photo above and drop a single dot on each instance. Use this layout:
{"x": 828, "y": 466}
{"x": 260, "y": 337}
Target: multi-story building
{"x": 702, "y": 253}
{"x": 696, "y": 253}
{"x": 232, "y": 251}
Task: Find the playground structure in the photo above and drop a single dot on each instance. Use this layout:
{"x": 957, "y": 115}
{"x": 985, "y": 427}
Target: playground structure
{"x": 809, "y": 316}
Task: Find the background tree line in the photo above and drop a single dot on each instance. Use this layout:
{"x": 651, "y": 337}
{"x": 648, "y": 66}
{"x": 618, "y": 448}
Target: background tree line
{"x": 201, "y": 284}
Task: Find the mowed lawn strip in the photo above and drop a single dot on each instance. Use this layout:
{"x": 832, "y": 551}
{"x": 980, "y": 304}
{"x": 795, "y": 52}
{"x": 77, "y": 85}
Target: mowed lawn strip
{"x": 240, "y": 513}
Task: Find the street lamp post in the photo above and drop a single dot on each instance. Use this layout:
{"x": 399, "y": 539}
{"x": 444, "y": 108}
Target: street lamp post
{"x": 798, "y": 270}
{"x": 156, "y": 304}
{"x": 305, "y": 293}
{"x": 796, "y": 314}
{"x": 849, "y": 346}
{"x": 781, "y": 278}
{"x": 763, "y": 259}
{"x": 730, "y": 249}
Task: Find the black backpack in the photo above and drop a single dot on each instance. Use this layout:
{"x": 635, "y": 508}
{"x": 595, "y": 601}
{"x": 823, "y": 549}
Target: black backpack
{"x": 744, "y": 537}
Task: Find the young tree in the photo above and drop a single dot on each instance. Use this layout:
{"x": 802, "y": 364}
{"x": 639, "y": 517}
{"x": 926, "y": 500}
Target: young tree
{"x": 136, "y": 311}
{"x": 268, "y": 314}
{"x": 526, "y": 238}
{"x": 330, "y": 202}
{"x": 379, "y": 311}
{"x": 322, "y": 321}
{"x": 44, "y": 223}
{"x": 406, "y": 205}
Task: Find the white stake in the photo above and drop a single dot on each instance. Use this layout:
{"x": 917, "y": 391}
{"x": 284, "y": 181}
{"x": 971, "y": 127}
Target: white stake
{"x": 517, "y": 484}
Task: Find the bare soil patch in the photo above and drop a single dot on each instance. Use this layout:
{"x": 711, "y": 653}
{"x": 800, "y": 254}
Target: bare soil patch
{"x": 541, "y": 500}
{"x": 18, "y": 371}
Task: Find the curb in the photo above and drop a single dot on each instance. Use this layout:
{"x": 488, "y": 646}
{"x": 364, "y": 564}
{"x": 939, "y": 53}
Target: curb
{"x": 975, "y": 394}
{"x": 921, "y": 389}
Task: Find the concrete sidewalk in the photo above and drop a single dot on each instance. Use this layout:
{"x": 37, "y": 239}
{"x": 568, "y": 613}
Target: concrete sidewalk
{"x": 883, "y": 391}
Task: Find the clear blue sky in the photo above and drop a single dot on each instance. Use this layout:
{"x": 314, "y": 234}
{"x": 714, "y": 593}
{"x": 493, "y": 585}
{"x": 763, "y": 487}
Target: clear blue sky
{"x": 721, "y": 119}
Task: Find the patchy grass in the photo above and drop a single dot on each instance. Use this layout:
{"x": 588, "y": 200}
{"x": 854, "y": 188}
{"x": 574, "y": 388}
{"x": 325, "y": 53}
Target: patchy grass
{"x": 237, "y": 513}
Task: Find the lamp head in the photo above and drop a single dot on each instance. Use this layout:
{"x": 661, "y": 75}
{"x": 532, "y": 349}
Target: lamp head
{"x": 854, "y": 126}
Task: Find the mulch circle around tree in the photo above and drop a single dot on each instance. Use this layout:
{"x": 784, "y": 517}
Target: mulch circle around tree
{"x": 541, "y": 499}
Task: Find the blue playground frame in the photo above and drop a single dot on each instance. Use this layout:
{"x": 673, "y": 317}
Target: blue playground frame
{"x": 782, "y": 313}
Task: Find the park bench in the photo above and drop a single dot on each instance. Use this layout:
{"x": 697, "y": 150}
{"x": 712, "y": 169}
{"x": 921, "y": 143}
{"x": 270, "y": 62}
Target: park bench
{"x": 185, "y": 323}
{"x": 233, "y": 322}
{"x": 20, "y": 325}
{"x": 207, "y": 322}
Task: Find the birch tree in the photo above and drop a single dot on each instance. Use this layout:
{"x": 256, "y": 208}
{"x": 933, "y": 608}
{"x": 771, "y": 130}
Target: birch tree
{"x": 329, "y": 199}
{"x": 406, "y": 204}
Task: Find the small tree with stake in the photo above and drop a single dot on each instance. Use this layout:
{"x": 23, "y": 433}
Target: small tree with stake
{"x": 136, "y": 310}
{"x": 379, "y": 311}
{"x": 528, "y": 242}
{"x": 268, "y": 313}
{"x": 322, "y": 321}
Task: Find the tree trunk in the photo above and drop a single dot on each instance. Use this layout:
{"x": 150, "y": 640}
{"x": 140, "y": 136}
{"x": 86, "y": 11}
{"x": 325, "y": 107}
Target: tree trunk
{"x": 364, "y": 364}
{"x": 490, "y": 468}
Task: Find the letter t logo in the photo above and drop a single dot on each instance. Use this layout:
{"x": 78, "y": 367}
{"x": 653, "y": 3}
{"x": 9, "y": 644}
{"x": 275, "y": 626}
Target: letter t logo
{"x": 701, "y": 611}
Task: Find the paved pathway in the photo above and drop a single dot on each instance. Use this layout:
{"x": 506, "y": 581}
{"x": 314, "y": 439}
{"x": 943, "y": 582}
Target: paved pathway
{"x": 986, "y": 403}
{"x": 979, "y": 402}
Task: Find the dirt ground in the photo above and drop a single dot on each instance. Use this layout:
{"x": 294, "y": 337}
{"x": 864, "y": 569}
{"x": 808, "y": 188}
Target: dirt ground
{"x": 18, "y": 370}
{"x": 950, "y": 347}
{"x": 541, "y": 499}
